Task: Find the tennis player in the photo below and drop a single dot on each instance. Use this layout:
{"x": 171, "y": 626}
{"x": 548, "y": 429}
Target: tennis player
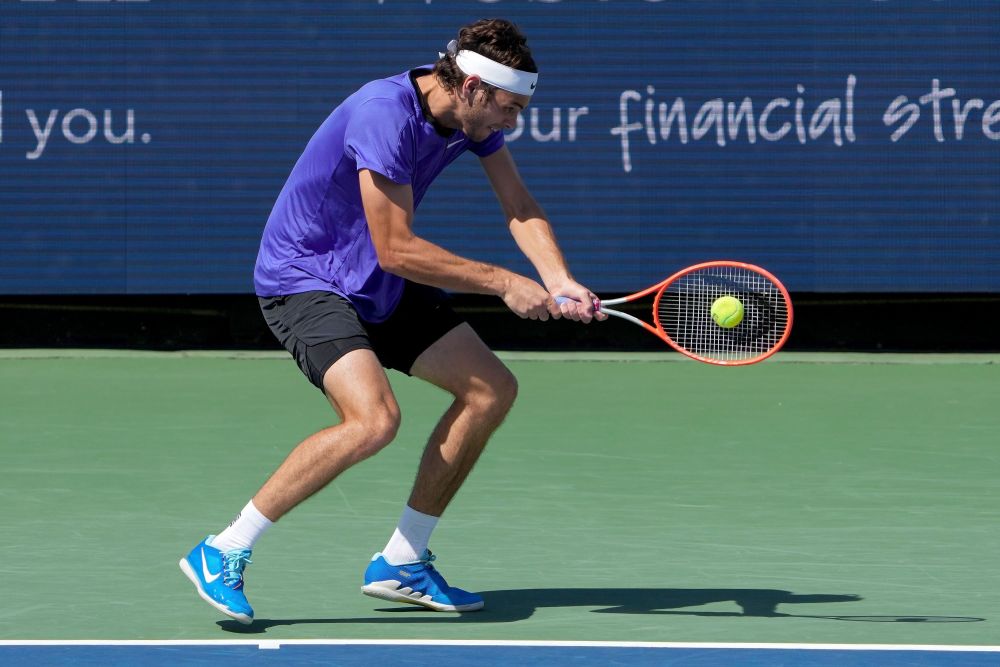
{"x": 348, "y": 288}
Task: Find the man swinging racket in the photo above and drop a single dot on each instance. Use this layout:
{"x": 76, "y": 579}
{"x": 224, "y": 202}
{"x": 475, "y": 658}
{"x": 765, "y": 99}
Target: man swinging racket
{"x": 348, "y": 288}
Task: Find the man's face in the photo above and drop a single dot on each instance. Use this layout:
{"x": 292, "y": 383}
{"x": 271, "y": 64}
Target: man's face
{"x": 491, "y": 112}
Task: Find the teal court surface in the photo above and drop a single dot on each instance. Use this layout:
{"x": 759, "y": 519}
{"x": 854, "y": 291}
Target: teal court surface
{"x": 634, "y": 509}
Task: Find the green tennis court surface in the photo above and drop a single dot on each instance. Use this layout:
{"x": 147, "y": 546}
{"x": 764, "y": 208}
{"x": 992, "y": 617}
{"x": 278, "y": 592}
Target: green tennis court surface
{"x": 631, "y": 498}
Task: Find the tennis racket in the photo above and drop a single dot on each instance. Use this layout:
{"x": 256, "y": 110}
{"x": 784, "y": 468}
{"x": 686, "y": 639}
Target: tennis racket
{"x": 682, "y": 312}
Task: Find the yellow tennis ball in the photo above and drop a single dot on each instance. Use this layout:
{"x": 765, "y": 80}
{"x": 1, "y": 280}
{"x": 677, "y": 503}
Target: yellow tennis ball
{"x": 727, "y": 311}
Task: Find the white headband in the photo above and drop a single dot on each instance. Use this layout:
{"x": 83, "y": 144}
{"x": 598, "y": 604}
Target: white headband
{"x": 494, "y": 73}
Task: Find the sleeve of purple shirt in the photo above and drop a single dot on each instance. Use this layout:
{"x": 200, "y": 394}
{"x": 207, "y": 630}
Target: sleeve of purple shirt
{"x": 379, "y": 138}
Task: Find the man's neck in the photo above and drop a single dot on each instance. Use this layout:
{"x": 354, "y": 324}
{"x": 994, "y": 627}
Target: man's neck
{"x": 437, "y": 104}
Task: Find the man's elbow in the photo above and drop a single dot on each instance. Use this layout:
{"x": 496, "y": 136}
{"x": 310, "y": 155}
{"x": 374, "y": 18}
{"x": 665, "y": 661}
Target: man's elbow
{"x": 397, "y": 253}
{"x": 391, "y": 259}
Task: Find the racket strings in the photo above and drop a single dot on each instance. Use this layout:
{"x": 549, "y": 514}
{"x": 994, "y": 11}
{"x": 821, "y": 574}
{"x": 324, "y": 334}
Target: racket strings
{"x": 684, "y": 312}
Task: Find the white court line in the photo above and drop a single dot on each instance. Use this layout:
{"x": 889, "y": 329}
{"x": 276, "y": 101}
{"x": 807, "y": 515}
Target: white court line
{"x": 277, "y": 643}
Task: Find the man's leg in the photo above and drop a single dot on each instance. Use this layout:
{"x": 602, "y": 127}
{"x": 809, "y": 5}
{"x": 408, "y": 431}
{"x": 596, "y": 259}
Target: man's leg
{"x": 359, "y": 391}
{"x": 484, "y": 391}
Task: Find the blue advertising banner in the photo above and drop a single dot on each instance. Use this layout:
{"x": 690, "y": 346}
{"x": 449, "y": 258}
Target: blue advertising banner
{"x": 848, "y": 146}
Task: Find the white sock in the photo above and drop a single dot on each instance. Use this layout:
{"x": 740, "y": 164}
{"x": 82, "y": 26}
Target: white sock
{"x": 244, "y": 531}
{"x": 412, "y": 535}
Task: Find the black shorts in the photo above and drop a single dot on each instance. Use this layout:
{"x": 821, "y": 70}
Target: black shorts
{"x": 318, "y": 328}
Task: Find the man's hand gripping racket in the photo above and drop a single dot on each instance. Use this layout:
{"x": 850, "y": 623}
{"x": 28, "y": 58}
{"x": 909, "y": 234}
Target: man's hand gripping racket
{"x": 683, "y": 318}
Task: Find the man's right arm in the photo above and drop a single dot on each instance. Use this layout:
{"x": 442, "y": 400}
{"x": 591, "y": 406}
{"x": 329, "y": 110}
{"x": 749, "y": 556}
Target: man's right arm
{"x": 389, "y": 210}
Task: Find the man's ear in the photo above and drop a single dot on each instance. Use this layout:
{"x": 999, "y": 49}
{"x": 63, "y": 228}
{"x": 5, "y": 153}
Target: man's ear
{"x": 469, "y": 86}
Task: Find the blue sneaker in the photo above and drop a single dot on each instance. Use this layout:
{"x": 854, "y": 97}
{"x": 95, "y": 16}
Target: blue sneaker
{"x": 416, "y": 583}
{"x": 218, "y": 576}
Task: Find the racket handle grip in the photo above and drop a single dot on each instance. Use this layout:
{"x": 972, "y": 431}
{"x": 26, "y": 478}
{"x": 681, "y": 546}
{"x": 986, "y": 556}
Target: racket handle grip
{"x": 560, "y": 300}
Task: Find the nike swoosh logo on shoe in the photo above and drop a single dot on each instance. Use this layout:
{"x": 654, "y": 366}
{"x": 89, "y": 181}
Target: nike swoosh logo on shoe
{"x": 205, "y": 572}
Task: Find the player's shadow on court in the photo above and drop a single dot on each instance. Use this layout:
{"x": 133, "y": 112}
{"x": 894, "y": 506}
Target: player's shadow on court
{"x": 507, "y": 606}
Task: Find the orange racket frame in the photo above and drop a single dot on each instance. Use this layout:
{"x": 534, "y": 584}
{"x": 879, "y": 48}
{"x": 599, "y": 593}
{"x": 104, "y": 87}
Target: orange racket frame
{"x": 773, "y": 298}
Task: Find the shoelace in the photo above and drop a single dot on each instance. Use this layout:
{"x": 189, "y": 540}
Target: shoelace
{"x": 233, "y": 564}
{"x": 426, "y": 559}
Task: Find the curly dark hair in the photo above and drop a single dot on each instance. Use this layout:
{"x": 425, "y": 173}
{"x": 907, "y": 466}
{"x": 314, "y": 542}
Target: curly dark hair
{"x": 497, "y": 39}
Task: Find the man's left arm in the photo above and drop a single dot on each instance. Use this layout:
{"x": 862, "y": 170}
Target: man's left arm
{"x": 533, "y": 234}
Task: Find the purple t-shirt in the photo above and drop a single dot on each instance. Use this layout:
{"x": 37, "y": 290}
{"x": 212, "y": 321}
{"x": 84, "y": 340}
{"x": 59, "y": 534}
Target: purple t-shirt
{"x": 317, "y": 236}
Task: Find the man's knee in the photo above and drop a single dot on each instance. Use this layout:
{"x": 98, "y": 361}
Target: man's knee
{"x": 507, "y": 389}
{"x": 496, "y": 394}
{"x": 384, "y": 426}
{"x": 377, "y": 428}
